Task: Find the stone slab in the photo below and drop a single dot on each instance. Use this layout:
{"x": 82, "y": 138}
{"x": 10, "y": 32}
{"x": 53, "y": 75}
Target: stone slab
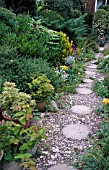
{"x": 101, "y": 49}
{"x": 81, "y": 109}
{"x": 90, "y": 72}
{"x": 88, "y": 81}
{"x": 94, "y": 61}
{"x": 83, "y": 91}
{"x": 62, "y": 167}
{"x": 92, "y": 66}
{"x": 76, "y": 131}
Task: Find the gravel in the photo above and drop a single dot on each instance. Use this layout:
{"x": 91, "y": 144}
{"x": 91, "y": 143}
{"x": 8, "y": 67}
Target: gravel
{"x": 56, "y": 148}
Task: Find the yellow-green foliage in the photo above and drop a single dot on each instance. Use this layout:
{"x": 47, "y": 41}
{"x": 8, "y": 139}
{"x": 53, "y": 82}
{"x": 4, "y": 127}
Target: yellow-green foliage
{"x": 41, "y": 88}
{"x": 66, "y": 46}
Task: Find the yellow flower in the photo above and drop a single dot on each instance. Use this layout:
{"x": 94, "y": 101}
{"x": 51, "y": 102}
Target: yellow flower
{"x": 64, "y": 68}
{"x": 27, "y": 105}
{"x": 105, "y": 101}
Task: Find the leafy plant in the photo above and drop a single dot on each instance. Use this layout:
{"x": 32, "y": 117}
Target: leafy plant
{"x": 16, "y": 104}
{"x": 41, "y": 88}
{"x": 100, "y": 22}
{"x": 101, "y": 88}
{"x": 15, "y": 142}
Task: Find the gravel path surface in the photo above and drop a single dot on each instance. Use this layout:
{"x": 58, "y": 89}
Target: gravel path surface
{"x": 58, "y": 148}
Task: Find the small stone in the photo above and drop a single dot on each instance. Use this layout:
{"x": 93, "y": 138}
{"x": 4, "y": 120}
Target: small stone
{"x": 33, "y": 151}
{"x": 52, "y": 106}
{"x": 42, "y": 115}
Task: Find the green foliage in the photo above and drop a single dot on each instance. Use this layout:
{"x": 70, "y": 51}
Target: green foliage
{"x": 16, "y": 104}
{"x": 76, "y": 74}
{"x": 63, "y": 7}
{"x": 29, "y": 38}
{"x": 75, "y": 28}
{"x": 104, "y": 63}
{"x": 50, "y": 15}
{"x": 41, "y": 88}
{"x": 100, "y": 22}
{"x": 101, "y": 88}
{"x": 106, "y": 51}
{"x": 15, "y": 145}
{"x": 22, "y": 6}
{"x": 20, "y": 70}
{"x": 105, "y": 7}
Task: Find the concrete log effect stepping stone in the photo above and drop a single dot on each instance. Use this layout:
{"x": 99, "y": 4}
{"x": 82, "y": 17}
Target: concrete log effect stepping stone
{"x": 88, "y": 81}
{"x": 92, "y": 66}
{"x": 81, "y": 109}
{"x": 90, "y": 72}
{"x": 62, "y": 167}
{"x": 76, "y": 131}
{"x": 83, "y": 91}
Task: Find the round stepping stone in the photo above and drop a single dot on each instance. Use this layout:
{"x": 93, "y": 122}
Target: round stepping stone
{"x": 90, "y": 72}
{"x": 88, "y": 81}
{"x": 76, "y": 131}
{"x": 83, "y": 91}
{"x": 81, "y": 109}
{"x": 92, "y": 66}
{"x": 62, "y": 167}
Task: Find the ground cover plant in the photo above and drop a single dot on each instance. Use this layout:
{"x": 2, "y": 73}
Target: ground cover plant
{"x": 102, "y": 87}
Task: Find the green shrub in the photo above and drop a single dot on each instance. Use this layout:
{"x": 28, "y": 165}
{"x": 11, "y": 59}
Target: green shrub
{"x": 100, "y": 22}
{"x": 30, "y": 38}
{"x": 41, "y": 88}
{"x": 19, "y": 70}
{"x": 106, "y": 51}
{"x": 23, "y": 6}
{"x": 64, "y": 7}
{"x": 50, "y": 15}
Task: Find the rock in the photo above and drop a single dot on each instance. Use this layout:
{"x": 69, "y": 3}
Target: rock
{"x": 69, "y": 60}
{"x": 10, "y": 166}
{"x": 33, "y": 151}
{"x": 52, "y": 106}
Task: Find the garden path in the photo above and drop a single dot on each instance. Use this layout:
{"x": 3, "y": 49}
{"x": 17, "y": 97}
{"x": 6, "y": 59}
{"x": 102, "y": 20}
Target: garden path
{"x": 73, "y": 128}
